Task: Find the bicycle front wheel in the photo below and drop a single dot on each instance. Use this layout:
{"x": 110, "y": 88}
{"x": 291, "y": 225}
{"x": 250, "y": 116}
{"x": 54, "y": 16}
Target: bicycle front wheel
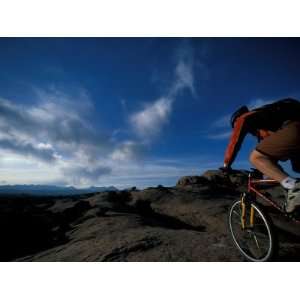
{"x": 255, "y": 242}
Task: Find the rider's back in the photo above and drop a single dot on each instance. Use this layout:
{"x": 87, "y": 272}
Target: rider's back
{"x": 272, "y": 116}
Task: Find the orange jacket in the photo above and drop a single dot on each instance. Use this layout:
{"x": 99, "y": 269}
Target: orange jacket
{"x": 246, "y": 123}
{"x": 260, "y": 123}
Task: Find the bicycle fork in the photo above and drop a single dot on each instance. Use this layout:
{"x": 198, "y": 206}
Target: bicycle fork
{"x": 245, "y": 205}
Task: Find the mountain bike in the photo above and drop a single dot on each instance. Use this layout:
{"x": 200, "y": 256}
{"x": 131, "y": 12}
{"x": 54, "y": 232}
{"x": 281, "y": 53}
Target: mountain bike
{"x": 250, "y": 224}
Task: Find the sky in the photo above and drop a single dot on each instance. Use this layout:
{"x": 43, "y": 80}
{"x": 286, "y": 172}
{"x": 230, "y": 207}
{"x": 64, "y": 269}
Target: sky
{"x": 132, "y": 111}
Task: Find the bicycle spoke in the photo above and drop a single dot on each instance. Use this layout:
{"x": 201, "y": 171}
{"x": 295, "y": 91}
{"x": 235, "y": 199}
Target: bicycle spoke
{"x": 237, "y": 214}
{"x": 261, "y": 234}
{"x": 254, "y": 242}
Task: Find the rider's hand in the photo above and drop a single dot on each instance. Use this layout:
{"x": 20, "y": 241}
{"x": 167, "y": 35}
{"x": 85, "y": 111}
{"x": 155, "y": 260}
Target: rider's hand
{"x": 225, "y": 169}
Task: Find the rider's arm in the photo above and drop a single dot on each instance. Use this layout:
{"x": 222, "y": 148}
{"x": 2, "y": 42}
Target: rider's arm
{"x": 240, "y": 130}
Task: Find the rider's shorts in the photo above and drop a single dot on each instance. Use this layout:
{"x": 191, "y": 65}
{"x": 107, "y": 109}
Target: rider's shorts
{"x": 284, "y": 144}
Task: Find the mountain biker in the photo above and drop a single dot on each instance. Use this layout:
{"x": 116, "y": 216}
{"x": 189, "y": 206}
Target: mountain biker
{"x": 277, "y": 127}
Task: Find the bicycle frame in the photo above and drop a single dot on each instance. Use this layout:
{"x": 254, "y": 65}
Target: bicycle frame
{"x": 252, "y": 188}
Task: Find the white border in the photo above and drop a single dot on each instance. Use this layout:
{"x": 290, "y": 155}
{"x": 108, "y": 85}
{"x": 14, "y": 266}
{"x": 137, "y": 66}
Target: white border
{"x": 147, "y": 281}
{"x": 149, "y": 18}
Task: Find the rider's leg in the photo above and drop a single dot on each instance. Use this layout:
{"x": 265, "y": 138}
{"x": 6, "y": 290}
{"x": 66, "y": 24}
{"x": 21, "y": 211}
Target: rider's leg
{"x": 267, "y": 166}
{"x": 281, "y": 145}
{"x": 271, "y": 168}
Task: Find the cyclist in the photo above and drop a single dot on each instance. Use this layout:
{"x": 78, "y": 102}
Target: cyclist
{"x": 277, "y": 127}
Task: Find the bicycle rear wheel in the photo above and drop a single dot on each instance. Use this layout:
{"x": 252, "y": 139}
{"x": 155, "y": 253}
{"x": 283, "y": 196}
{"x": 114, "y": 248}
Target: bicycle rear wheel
{"x": 256, "y": 243}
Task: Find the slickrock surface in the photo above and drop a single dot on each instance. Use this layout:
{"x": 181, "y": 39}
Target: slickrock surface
{"x": 187, "y": 222}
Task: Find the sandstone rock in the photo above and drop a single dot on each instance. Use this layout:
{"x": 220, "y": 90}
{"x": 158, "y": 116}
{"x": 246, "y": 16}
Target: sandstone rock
{"x": 183, "y": 223}
{"x": 238, "y": 177}
{"x": 192, "y": 180}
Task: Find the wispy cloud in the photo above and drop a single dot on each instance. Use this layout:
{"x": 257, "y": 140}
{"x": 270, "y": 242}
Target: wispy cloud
{"x": 148, "y": 122}
{"x": 127, "y": 151}
{"x": 184, "y": 75}
{"x": 222, "y": 122}
{"x": 158, "y": 171}
{"x": 220, "y": 136}
{"x": 28, "y": 149}
{"x": 54, "y": 141}
{"x": 255, "y": 103}
{"x": 84, "y": 174}
{"x": 55, "y": 132}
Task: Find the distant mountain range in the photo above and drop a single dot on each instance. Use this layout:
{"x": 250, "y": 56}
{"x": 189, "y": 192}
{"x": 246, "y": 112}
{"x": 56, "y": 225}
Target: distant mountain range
{"x": 51, "y": 190}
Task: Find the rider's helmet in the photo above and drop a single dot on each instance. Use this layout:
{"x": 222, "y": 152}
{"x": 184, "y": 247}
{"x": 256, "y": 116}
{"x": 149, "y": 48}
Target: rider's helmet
{"x": 242, "y": 110}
